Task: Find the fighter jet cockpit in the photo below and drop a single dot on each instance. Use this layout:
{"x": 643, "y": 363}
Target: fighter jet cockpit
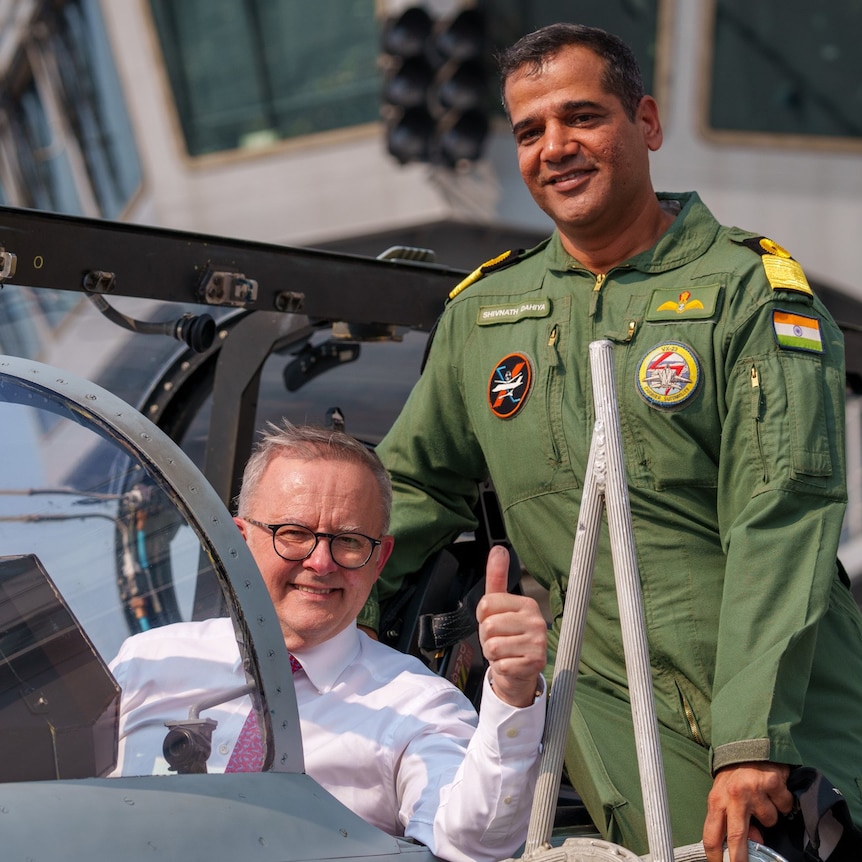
{"x": 120, "y": 455}
{"x": 106, "y": 531}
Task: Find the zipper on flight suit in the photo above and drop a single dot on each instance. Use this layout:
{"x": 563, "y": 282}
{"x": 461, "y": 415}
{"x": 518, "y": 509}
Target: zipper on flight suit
{"x": 553, "y": 338}
{"x": 691, "y": 719}
{"x": 595, "y": 294}
{"x": 688, "y": 714}
{"x": 757, "y": 415}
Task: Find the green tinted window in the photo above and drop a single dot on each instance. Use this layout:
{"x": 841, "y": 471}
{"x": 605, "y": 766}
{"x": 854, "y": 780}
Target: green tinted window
{"x": 792, "y": 68}
{"x": 262, "y": 70}
{"x": 634, "y": 21}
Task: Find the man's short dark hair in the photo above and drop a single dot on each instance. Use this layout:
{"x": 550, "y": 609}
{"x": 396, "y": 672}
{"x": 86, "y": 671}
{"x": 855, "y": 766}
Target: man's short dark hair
{"x": 622, "y": 75}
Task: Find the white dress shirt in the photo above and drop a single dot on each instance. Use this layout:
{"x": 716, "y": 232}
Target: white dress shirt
{"x": 394, "y": 742}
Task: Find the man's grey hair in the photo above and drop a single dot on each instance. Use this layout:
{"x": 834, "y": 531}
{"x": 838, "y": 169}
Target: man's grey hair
{"x": 622, "y": 75}
{"x": 310, "y": 443}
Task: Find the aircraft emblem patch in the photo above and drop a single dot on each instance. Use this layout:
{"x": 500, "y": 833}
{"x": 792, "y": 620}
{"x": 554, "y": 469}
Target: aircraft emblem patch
{"x": 509, "y": 385}
{"x": 669, "y": 375}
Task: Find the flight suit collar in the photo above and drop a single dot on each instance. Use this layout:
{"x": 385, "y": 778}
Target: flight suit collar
{"x": 689, "y": 237}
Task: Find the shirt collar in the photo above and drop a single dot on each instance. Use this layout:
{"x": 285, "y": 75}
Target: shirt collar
{"x": 325, "y": 663}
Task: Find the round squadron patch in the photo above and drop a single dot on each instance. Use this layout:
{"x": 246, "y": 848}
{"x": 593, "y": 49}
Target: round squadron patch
{"x": 669, "y": 375}
{"x": 510, "y": 384}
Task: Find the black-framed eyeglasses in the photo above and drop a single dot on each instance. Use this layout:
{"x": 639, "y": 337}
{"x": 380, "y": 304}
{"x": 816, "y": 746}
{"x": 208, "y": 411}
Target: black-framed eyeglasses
{"x": 293, "y": 542}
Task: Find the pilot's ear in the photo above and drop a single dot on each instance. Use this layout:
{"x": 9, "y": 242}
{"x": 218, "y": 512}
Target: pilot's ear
{"x": 387, "y": 543}
{"x": 242, "y": 526}
{"x": 648, "y": 116}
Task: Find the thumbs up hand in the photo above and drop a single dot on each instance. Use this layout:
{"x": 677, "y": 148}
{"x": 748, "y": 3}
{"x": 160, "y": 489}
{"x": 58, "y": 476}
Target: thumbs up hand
{"x": 513, "y": 634}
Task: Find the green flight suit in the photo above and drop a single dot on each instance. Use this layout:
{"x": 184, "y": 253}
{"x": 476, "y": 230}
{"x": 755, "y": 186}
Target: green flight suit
{"x": 730, "y": 379}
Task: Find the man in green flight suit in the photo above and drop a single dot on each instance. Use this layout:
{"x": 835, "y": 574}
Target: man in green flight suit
{"x": 730, "y": 380}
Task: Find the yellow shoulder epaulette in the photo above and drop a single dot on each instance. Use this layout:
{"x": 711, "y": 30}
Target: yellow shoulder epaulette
{"x": 782, "y": 271}
{"x": 507, "y": 258}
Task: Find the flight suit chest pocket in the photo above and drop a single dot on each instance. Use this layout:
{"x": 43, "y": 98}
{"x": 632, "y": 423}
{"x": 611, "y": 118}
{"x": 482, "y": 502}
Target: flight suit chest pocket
{"x": 669, "y": 393}
{"x": 666, "y": 381}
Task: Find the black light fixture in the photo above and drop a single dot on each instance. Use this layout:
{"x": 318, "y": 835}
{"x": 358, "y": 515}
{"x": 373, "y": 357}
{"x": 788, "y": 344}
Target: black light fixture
{"x": 435, "y": 92}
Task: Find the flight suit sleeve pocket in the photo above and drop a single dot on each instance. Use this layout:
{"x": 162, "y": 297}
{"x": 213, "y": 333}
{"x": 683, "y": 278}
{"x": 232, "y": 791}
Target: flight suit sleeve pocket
{"x": 810, "y": 455}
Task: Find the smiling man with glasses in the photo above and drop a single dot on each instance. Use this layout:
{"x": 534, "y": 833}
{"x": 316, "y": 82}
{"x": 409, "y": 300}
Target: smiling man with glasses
{"x": 399, "y": 745}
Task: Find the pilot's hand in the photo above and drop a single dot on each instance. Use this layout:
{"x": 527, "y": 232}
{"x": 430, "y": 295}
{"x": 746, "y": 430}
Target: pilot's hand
{"x": 513, "y": 634}
{"x": 756, "y": 789}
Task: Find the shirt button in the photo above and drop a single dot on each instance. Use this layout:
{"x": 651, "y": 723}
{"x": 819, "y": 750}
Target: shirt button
{"x": 512, "y": 732}
{"x": 222, "y": 749}
{"x": 507, "y": 800}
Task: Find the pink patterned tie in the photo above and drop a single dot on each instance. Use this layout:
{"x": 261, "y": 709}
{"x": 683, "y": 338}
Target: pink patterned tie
{"x": 249, "y": 751}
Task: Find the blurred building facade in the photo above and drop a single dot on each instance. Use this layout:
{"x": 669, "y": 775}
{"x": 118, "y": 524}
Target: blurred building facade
{"x": 265, "y": 119}
{"x": 275, "y": 120}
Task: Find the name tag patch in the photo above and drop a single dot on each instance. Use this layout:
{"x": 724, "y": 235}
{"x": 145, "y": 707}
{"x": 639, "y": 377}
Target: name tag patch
{"x": 489, "y": 314}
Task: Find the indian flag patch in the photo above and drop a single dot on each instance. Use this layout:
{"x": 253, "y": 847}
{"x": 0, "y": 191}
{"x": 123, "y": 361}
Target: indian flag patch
{"x": 797, "y": 332}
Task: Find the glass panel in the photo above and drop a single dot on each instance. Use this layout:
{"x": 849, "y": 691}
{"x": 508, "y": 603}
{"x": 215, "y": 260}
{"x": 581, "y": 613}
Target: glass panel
{"x": 323, "y": 73}
{"x": 634, "y": 21}
{"x": 797, "y": 71}
{"x": 63, "y": 328}
{"x": 368, "y": 382}
{"x": 29, "y": 317}
{"x": 55, "y": 305}
{"x": 93, "y": 547}
{"x": 77, "y": 75}
{"x": 47, "y": 175}
{"x": 19, "y": 328}
{"x": 94, "y": 101}
{"x": 254, "y": 72}
{"x": 365, "y": 384}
